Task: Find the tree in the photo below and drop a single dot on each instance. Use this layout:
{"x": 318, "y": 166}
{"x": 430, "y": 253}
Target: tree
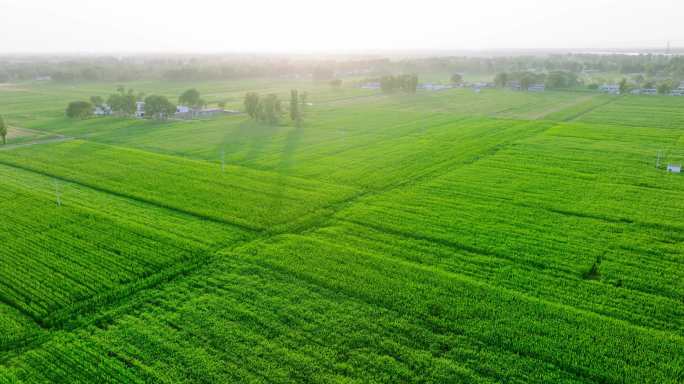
{"x": 664, "y": 88}
{"x": 295, "y": 113}
{"x": 270, "y": 109}
{"x": 252, "y": 104}
{"x": 456, "y": 78}
{"x": 79, "y": 109}
{"x": 387, "y": 84}
{"x": 158, "y": 107}
{"x": 96, "y": 100}
{"x": 525, "y": 82}
{"x": 406, "y": 83}
{"x": 623, "y": 86}
{"x": 123, "y": 102}
{"x": 336, "y": 83}
{"x": 190, "y": 98}
{"x": 501, "y": 79}
{"x": 3, "y": 130}
{"x": 561, "y": 79}
{"x": 409, "y": 83}
{"x": 221, "y": 104}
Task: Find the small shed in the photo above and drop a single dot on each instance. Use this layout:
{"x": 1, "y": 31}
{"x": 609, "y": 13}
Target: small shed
{"x": 674, "y": 168}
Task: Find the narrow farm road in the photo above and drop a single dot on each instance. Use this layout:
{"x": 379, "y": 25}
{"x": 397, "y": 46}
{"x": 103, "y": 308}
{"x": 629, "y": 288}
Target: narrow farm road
{"x": 36, "y": 142}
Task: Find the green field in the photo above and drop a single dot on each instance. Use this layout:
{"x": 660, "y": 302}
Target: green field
{"x": 441, "y": 237}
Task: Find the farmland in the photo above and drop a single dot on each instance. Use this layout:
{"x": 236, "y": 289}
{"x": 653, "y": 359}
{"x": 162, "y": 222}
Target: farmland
{"x": 438, "y": 237}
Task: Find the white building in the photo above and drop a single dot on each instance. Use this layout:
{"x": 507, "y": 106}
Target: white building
{"x": 102, "y": 110}
{"x": 612, "y": 89}
{"x": 185, "y": 112}
{"x": 538, "y": 87}
{"x": 674, "y": 168}
{"x": 139, "y": 109}
{"x": 677, "y": 92}
{"x": 372, "y": 85}
{"x": 514, "y": 85}
{"x": 434, "y": 87}
{"x": 644, "y": 91}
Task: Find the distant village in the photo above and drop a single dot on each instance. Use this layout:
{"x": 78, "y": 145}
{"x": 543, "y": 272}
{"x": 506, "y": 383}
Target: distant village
{"x": 126, "y": 103}
{"x": 615, "y": 89}
{"x": 515, "y": 85}
{"x": 182, "y": 111}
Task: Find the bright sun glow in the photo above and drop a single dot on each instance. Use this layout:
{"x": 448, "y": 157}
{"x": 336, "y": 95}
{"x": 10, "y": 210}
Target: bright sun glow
{"x": 333, "y": 26}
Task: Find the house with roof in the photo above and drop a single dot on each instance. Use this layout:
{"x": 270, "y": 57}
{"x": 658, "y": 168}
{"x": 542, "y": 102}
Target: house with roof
{"x": 537, "y": 87}
{"x": 644, "y": 91}
{"x": 674, "y": 168}
{"x": 371, "y": 85}
{"x": 679, "y": 91}
{"x": 434, "y": 87}
{"x": 185, "y": 112}
{"x": 613, "y": 89}
{"x": 140, "y": 109}
{"x": 102, "y": 110}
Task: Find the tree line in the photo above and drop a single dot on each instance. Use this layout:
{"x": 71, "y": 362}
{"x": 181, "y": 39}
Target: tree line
{"x": 405, "y": 83}
{"x": 553, "y": 79}
{"x": 268, "y": 108}
{"x": 226, "y": 67}
{"x": 124, "y": 102}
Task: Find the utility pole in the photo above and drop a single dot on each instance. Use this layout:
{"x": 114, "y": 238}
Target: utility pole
{"x": 58, "y": 195}
{"x": 658, "y": 156}
{"x": 223, "y": 160}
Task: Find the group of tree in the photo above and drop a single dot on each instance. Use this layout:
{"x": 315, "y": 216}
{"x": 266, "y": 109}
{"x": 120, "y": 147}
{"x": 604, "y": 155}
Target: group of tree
{"x": 79, "y": 110}
{"x": 663, "y": 87}
{"x": 268, "y": 109}
{"x": 553, "y": 79}
{"x": 123, "y": 102}
{"x": 191, "y": 99}
{"x": 456, "y": 78}
{"x": 3, "y": 130}
{"x": 226, "y": 67}
{"x": 561, "y": 79}
{"x": 158, "y": 107}
{"x": 405, "y": 83}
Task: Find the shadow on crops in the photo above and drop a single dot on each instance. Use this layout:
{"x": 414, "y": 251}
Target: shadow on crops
{"x": 284, "y": 167}
{"x": 250, "y": 136}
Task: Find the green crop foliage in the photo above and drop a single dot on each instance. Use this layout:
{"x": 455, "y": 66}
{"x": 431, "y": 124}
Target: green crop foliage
{"x": 437, "y": 237}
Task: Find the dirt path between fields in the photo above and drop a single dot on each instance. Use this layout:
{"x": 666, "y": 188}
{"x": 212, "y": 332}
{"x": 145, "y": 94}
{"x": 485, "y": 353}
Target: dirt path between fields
{"x": 38, "y": 141}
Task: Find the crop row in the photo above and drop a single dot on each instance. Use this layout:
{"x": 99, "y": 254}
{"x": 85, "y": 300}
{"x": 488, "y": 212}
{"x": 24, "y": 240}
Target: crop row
{"x": 583, "y": 345}
{"x": 231, "y": 322}
{"x": 252, "y": 199}
{"x": 537, "y": 215}
{"x": 327, "y": 311}
{"x": 424, "y": 148}
{"x": 55, "y": 256}
{"x": 657, "y": 112}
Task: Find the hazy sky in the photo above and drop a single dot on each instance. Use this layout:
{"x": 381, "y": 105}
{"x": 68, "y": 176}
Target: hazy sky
{"x": 332, "y": 26}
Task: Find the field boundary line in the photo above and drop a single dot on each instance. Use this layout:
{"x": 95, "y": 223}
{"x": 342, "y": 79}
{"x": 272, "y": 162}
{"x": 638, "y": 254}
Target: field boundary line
{"x": 471, "y": 281}
{"x": 10, "y": 147}
{"x": 591, "y": 109}
{"x": 421, "y": 319}
{"x": 131, "y": 197}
